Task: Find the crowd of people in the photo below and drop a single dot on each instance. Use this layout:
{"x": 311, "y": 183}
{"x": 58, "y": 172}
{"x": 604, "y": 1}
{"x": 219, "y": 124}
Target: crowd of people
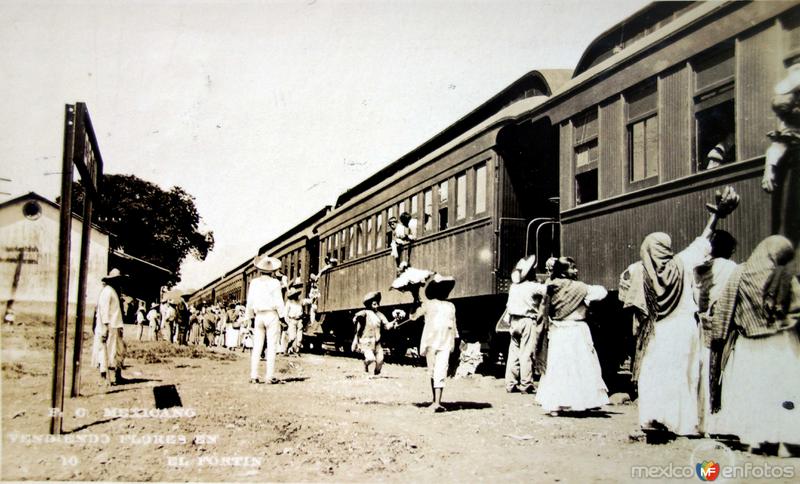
{"x": 228, "y": 325}
{"x": 717, "y": 344}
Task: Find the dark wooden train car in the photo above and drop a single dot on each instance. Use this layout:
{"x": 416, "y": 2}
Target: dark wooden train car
{"x": 649, "y": 99}
{"x": 473, "y": 190}
{"x": 297, "y": 249}
{"x": 227, "y": 288}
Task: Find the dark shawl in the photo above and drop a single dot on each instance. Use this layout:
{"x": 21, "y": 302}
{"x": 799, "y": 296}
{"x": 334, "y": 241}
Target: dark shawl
{"x": 563, "y": 297}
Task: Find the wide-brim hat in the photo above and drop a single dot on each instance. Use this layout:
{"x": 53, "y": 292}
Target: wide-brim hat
{"x": 372, "y": 296}
{"x": 153, "y": 305}
{"x": 298, "y": 282}
{"x": 525, "y": 266}
{"x": 115, "y": 274}
{"x": 790, "y": 82}
{"x": 293, "y": 292}
{"x": 266, "y": 263}
{"x": 439, "y": 287}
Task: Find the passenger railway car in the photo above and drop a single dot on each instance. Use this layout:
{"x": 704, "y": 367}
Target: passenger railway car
{"x": 472, "y": 190}
{"x": 582, "y": 163}
{"x": 649, "y": 99}
{"x": 296, "y": 249}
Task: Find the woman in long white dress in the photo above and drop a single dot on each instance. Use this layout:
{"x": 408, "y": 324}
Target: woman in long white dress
{"x": 667, "y": 361}
{"x": 572, "y": 379}
{"x": 756, "y": 321}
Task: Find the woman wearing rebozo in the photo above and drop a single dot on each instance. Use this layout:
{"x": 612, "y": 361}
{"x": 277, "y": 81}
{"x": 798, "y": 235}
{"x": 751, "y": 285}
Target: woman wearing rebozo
{"x": 755, "y": 334}
{"x": 667, "y": 359}
{"x": 572, "y": 379}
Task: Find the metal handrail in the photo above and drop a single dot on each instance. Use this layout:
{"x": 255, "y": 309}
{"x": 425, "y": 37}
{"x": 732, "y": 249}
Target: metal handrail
{"x": 552, "y": 222}
{"x": 528, "y": 230}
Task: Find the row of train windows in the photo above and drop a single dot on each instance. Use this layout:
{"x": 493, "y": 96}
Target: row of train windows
{"x": 292, "y": 265}
{"x": 468, "y": 191}
{"x": 713, "y": 117}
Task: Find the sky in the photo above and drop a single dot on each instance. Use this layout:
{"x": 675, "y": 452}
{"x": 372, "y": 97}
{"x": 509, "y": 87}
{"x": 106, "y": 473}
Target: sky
{"x": 263, "y": 111}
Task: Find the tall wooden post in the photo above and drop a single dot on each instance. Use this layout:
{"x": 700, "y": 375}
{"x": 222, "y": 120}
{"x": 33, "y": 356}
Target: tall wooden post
{"x": 62, "y": 291}
{"x": 80, "y": 310}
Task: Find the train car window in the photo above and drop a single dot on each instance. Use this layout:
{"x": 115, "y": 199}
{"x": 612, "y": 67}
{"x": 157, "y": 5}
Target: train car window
{"x": 427, "y": 217}
{"x": 369, "y": 235}
{"x": 586, "y": 155}
{"x": 379, "y": 238}
{"x": 443, "y": 196}
{"x": 461, "y": 196}
{"x": 343, "y": 245}
{"x": 714, "y": 110}
{"x": 642, "y": 123}
{"x": 480, "y": 188}
{"x": 401, "y": 207}
{"x": 414, "y": 205}
{"x": 351, "y": 242}
{"x": 360, "y": 238}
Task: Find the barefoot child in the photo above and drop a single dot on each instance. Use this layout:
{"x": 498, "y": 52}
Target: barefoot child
{"x": 439, "y": 334}
{"x": 369, "y": 323}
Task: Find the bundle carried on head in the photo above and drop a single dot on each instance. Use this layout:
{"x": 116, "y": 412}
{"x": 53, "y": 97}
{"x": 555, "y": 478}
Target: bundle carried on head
{"x": 726, "y": 202}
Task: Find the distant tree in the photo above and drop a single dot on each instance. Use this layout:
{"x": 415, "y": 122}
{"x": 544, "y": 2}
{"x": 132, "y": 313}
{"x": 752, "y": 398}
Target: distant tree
{"x": 147, "y": 222}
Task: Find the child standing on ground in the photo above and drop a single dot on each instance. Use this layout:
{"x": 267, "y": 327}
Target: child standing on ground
{"x": 369, "y": 324}
{"x": 439, "y": 334}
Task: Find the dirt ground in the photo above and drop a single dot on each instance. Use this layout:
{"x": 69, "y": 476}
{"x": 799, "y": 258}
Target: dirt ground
{"x": 327, "y": 422}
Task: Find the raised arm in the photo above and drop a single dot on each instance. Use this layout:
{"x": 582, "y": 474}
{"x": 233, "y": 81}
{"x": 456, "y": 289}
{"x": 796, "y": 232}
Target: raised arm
{"x": 726, "y": 202}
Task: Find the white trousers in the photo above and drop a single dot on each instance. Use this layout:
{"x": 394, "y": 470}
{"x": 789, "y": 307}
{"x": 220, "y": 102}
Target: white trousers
{"x": 267, "y": 324}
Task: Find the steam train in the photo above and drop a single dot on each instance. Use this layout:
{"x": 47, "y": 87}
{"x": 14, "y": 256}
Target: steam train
{"x": 583, "y": 163}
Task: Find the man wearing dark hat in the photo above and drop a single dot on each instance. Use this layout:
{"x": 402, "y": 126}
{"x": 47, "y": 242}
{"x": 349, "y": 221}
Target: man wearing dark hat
{"x": 522, "y": 308}
{"x": 109, "y": 327}
{"x": 265, "y": 304}
{"x": 369, "y": 323}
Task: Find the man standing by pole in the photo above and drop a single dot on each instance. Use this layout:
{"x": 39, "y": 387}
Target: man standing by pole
{"x": 110, "y": 327}
{"x": 265, "y": 304}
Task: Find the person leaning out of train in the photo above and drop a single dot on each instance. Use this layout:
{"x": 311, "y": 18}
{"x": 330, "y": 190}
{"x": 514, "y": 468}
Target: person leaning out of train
{"x": 402, "y": 236}
{"x": 370, "y": 323}
{"x": 522, "y": 313}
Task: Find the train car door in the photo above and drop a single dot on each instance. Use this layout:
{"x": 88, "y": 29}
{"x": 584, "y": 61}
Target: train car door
{"x": 527, "y": 204}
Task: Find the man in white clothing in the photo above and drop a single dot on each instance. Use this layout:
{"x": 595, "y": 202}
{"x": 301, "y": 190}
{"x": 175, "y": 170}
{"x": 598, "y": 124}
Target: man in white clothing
{"x": 265, "y": 304}
{"x": 108, "y": 328}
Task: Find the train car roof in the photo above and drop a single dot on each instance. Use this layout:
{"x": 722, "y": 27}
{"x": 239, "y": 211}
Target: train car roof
{"x": 306, "y": 225}
{"x": 508, "y": 114}
{"x": 597, "y": 63}
{"x": 646, "y": 20}
{"x": 536, "y": 83}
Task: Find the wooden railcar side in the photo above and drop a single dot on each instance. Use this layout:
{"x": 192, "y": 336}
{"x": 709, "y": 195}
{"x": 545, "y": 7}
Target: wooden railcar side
{"x": 721, "y": 59}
